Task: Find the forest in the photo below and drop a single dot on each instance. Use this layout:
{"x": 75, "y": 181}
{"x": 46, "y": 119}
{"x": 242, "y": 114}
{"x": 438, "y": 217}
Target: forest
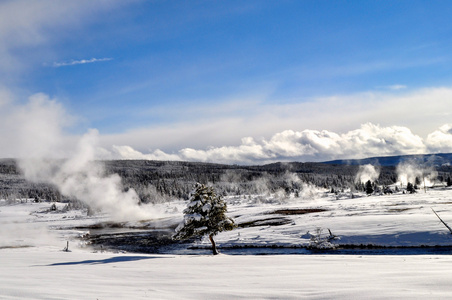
{"x": 160, "y": 181}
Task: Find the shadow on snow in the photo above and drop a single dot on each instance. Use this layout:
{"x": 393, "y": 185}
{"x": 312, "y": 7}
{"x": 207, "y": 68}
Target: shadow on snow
{"x": 110, "y": 260}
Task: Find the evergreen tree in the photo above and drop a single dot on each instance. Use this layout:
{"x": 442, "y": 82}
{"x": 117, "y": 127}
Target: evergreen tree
{"x": 369, "y": 188}
{"x": 417, "y": 181}
{"x": 205, "y": 215}
{"x": 410, "y": 188}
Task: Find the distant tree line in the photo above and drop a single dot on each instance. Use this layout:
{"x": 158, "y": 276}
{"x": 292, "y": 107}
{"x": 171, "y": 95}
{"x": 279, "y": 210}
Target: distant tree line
{"x": 159, "y": 181}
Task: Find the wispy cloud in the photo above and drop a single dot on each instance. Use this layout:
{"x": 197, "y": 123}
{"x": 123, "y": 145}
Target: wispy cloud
{"x": 26, "y": 24}
{"x": 394, "y": 87}
{"x": 81, "y": 62}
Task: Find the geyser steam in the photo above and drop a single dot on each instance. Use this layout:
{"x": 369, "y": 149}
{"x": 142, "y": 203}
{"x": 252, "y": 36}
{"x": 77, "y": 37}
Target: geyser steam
{"x": 83, "y": 178}
{"x": 409, "y": 171}
{"x": 366, "y": 173}
{"x": 33, "y": 131}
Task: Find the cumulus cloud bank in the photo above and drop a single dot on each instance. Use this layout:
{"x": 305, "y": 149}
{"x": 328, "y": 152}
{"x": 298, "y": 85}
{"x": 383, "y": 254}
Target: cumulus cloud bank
{"x": 37, "y": 128}
{"x": 440, "y": 140}
{"x": 200, "y": 127}
{"x": 311, "y": 145}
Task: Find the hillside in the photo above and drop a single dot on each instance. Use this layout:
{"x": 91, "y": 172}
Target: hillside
{"x": 439, "y": 159}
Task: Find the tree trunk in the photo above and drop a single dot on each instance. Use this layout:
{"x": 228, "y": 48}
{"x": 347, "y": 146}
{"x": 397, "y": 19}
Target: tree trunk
{"x": 214, "y": 247}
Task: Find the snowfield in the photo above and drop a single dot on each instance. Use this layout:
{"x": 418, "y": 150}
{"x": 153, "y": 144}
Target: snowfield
{"x": 33, "y": 265}
{"x": 387, "y": 220}
{"x": 46, "y": 273}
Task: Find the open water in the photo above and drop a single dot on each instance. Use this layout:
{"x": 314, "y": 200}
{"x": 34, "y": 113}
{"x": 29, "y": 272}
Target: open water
{"x": 160, "y": 242}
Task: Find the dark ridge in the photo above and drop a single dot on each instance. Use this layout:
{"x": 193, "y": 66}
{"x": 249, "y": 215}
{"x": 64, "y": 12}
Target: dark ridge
{"x": 439, "y": 159}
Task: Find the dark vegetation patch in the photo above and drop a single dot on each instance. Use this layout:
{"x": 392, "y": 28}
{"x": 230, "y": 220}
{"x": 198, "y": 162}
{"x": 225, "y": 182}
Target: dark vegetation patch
{"x": 156, "y": 241}
{"x": 266, "y": 222}
{"x": 141, "y": 225}
{"x": 399, "y": 209}
{"x": 300, "y": 211}
{"x": 105, "y": 225}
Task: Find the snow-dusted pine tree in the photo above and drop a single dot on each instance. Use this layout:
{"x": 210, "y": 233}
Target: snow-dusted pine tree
{"x": 369, "y": 188}
{"x": 205, "y": 215}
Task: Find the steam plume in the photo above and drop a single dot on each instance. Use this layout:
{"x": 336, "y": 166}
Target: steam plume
{"x": 367, "y": 172}
{"x": 83, "y": 178}
{"x": 409, "y": 171}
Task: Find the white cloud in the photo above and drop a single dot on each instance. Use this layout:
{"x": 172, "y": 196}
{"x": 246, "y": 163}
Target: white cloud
{"x": 80, "y": 62}
{"x": 440, "y": 140}
{"x": 422, "y": 111}
{"x": 38, "y": 126}
{"x": 307, "y": 145}
{"x": 127, "y": 152}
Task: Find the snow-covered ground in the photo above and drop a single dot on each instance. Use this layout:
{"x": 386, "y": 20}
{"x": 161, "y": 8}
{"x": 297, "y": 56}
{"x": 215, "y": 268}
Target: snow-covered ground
{"x": 388, "y": 220}
{"x": 46, "y": 273}
{"x": 33, "y": 265}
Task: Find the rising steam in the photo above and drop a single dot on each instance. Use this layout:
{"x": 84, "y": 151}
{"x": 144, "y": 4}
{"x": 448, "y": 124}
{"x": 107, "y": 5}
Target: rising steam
{"x": 34, "y": 132}
{"x": 409, "y": 171}
{"x": 366, "y": 173}
{"x": 306, "y": 191}
{"x": 83, "y": 178}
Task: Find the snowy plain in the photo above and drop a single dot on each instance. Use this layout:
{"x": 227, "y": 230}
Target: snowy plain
{"x": 33, "y": 265}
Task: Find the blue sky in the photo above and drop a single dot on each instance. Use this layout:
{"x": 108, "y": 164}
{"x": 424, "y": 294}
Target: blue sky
{"x": 177, "y": 79}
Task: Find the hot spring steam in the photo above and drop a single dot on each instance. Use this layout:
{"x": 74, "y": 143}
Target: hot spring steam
{"x": 81, "y": 177}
